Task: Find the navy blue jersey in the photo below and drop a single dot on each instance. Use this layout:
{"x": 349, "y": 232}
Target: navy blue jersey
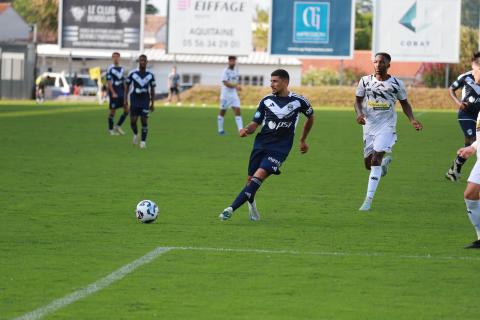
{"x": 279, "y": 117}
{"x": 470, "y": 94}
{"x": 116, "y": 76}
{"x": 140, "y": 84}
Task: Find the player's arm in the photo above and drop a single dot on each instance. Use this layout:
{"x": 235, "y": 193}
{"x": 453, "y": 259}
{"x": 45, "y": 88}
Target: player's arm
{"x": 467, "y": 152}
{"x": 359, "y": 110}
{"x": 249, "y": 129}
{"x": 407, "y": 109}
{"x": 306, "y": 130}
{"x": 452, "y": 91}
{"x": 152, "y": 98}
{"x": 125, "y": 94}
{"x": 229, "y": 84}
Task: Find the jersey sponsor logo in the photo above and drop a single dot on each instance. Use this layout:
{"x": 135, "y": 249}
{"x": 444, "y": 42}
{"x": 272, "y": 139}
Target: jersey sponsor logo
{"x": 378, "y": 106}
{"x": 283, "y": 124}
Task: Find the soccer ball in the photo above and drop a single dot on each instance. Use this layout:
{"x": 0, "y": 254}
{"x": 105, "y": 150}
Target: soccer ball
{"x": 147, "y": 211}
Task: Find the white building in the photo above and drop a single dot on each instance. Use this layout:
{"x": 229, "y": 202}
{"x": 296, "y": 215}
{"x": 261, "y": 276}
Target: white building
{"x": 254, "y": 69}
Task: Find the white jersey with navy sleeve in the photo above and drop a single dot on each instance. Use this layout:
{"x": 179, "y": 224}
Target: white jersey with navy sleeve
{"x": 230, "y": 75}
{"x": 379, "y": 98}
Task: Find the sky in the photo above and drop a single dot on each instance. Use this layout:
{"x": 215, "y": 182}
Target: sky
{"x": 162, "y": 5}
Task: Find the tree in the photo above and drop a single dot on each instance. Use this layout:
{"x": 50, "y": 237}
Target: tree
{"x": 470, "y": 13}
{"x": 260, "y": 34}
{"x": 363, "y": 30}
{"x": 150, "y": 8}
{"x": 42, "y": 12}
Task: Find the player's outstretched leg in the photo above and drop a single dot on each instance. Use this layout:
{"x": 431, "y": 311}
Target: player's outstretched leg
{"x": 120, "y": 122}
{"x": 472, "y": 202}
{"x": 253, "y": 211}
{"x": 247, "y": 194}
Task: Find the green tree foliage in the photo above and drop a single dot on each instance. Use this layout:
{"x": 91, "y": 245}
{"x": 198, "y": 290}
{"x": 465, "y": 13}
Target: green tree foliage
{"x": 42, "y": 12}
{"x": 363, "y": 30}
{"x": 434, "y": 74}
{"x": 260, "y": 34}
{"x": 470, "y": 13}
{"x": 326, "y": 76}
{"x": 150, "y": 8}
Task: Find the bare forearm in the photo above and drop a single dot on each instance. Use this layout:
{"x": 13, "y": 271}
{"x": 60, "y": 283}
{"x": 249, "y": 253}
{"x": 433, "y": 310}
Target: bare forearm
{"x": 251, "y": 127}
{"x": 407, "y": 109}
{"x": 454, "y": 97}
{"x": 358, "y": 106}
{"x": 152, "y": 95}
{"x": 110, "y": 87}
{"x": 306, "y": 128}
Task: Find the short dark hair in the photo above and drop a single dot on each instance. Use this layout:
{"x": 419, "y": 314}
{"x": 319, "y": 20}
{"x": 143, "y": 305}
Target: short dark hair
{"x": 232, "y": 58}
{"x": 476, "y": 58}
{"x": 385, "y": 55}
{"x": 116, "y": 54}
{"x": 142, "y": 56}
{"x": 281, "y": 73}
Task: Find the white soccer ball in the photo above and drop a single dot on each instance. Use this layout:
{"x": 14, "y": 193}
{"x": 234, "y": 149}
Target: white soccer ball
{"x": 147, "y": 211}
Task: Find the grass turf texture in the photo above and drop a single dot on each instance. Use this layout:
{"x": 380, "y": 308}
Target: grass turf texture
{"x": 68, "y": 193}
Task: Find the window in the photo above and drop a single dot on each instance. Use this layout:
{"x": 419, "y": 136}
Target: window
{"x": 191, "y": 78}
{"x": 251, "y": 80}
{"x": 12, "y": 66}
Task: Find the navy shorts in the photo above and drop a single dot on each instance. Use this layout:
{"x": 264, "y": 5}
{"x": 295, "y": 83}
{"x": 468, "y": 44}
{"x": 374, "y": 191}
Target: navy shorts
{"x": 116, "y": 103}
{"x": 139, "y": 112}
{"x": 468, "y": 123}
{"x": 270, "y": 161}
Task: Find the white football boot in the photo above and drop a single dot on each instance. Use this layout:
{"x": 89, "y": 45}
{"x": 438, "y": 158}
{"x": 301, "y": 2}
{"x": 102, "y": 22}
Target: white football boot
{"x": 253, "y": 212}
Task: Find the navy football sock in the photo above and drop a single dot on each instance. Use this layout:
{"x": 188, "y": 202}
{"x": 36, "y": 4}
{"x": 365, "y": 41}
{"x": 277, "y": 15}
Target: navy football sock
{"x": 134, "y": 128}
{"x": 247, "y": 194}
{"x": 122, "y": 119}
{"x": 144, "y": 133}
{"x": 110, "y": 122}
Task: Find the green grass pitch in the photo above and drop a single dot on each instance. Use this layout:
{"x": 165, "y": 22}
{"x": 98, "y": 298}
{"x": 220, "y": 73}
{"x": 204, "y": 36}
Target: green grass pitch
{"x": 68, "y": 193}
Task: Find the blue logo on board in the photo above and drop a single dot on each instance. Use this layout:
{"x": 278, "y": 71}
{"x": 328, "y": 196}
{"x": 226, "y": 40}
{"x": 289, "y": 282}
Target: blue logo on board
{"x": 311, "y": 22}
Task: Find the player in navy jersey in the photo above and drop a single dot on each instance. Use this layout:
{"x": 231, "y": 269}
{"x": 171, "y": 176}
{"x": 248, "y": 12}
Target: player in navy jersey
{"x": 116, "y": 90}
{"x": 141, "y": 84}
{"x": 278, "y": 114}
{"x": 468, "y": 108}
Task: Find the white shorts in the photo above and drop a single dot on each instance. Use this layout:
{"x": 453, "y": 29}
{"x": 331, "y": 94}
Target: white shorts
{"x": 474, "y": 176}
{"x": 382, "y": 142}
{"x": 229, "y": 102}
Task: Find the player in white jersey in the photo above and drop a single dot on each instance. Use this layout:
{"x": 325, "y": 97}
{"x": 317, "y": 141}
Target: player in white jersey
{"x": 472, "y": 191}
{"x": 375, "y": 107}
{"x": 229, "y": 96}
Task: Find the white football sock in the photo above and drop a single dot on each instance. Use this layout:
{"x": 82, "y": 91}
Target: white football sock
{"x": 373, "y": 180}
{"x": 239, "y": 122}
{"x": 473, "y": 210}
{"x": 220, "y": 121}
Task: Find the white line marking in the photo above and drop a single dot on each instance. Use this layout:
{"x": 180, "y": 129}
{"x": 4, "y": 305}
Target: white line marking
{"x": 94, "y": 287}
{"x": 152, "y": 255}
{"x": 333, "y": 253}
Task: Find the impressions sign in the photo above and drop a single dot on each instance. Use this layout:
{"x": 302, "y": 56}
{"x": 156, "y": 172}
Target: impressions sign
{"x": 214, "y": 27}
{"x": 418, "y": 30}
{"x": 305, "y": 28}
{"x": 101, "y": 24}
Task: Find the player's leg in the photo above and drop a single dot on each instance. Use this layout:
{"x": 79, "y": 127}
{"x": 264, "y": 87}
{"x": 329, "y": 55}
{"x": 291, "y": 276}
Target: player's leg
{"x": 177, "y": 94}
{"x": 262, "y": 164}
{"x": 381, "y": 144}
{"x": 221, "y": 116}
{"x": 144, "y": 120}
{"x": 238, "y": 117}
{"x": 133, "y": 124}
{"x": 111, "y": 117}
{"x": 122, "y": 117}
{"x": 468, "y": 126}
{"x": 472, "y": 201}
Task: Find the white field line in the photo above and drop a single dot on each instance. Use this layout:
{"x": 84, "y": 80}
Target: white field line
{"x": 332, "y": 253}
{"x": 94, "y": 287}
{"x": 152, "y": 255}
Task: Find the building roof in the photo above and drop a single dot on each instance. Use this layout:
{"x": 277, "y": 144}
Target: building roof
{"x": 4, "y": 6}
{"x": 362, "y": 61}
{"x": 155, "y": 54}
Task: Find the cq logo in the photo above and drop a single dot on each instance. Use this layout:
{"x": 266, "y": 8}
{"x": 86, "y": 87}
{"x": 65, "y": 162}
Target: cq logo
{"x": 311, "y": 17}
